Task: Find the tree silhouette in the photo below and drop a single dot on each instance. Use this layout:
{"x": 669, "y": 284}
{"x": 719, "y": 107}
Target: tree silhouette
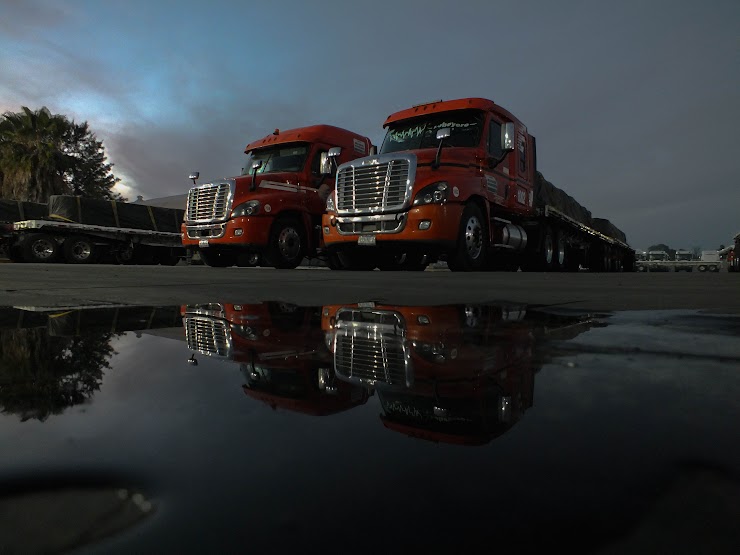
{"x": 44, "y": 154}
{"x": 41, "y": 375}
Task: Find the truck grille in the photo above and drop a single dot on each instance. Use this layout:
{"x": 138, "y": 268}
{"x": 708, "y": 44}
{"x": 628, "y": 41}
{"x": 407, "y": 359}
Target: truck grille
{"x": 208, "y": 336}
{"x": 210, "y": 202}
{"x": 372, "y": 352}
{"x": 376, "y": 184}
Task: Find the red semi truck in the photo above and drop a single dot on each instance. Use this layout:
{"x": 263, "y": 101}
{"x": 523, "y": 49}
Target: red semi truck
{"x": 281, "y": 352}
{"x": 457, "y": 181}
{"x": 274, "y": 208}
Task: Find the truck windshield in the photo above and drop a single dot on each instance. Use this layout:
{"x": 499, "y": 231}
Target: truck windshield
{"x": 282, "y": 158}
{"x": 465, "y": 125}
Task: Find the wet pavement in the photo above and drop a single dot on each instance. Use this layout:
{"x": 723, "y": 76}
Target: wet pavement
{"x": 368, "y": 428}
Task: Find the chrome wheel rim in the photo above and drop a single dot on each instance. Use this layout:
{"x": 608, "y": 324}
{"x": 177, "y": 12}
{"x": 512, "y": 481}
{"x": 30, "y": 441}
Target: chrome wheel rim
{"x": 289, "y": 243}
{"x": 81, "y": 250}
{"x": 42, "y": 249}
{"x": 473, "y": 237}
{"x": 549, "y": 249}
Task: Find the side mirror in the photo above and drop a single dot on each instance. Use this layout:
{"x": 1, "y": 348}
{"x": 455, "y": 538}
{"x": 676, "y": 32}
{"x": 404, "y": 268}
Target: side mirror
{"x": 443, "y": 133}
{"x": 257, "y": 164}
{"x": 334, "y": 151}
{"x": 507, "y": 137}
{"x": 373, "y": 150}
{"x": 194, "y": 176}
{"x": 326, "y": 165}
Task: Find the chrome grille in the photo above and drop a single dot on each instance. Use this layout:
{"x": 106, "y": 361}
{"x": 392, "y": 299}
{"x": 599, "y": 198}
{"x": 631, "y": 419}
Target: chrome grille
{"x": 208, "y": 336}
{"x": 373, "y": 351}
{"x": 210, "y": 202}
{"x": 375, "y": 184}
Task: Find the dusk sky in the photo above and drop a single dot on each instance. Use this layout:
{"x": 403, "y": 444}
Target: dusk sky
{"x": 634, "y": 104}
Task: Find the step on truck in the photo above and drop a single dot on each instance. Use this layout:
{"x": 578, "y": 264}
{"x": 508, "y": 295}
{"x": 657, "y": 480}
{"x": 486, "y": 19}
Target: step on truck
{"x": 272, "y": 211}
{"x": 457, "y": 181}
{"x": 81, "y": 230}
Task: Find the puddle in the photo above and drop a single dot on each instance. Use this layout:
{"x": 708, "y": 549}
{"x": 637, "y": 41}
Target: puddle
{"x": 272, "y": 426}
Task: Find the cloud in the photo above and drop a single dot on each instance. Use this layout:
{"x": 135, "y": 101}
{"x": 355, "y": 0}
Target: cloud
{"x": 633, "y": 104}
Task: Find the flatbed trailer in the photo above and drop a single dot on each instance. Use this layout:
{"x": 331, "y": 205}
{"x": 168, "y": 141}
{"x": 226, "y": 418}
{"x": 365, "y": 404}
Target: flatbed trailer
{"x": 76, "y": 243}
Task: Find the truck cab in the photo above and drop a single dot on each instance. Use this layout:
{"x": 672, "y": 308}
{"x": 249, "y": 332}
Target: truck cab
{"x": 273, "y": 208}
{"x": 683, "y": 260}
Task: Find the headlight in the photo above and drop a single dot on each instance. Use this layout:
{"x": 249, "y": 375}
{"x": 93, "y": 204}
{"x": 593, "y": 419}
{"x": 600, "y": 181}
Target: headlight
{"x": 249, "y": 208}
{"x": 433, "y": 352}
{"x": 436, "y": 193}
{"x": 330, "y": 207}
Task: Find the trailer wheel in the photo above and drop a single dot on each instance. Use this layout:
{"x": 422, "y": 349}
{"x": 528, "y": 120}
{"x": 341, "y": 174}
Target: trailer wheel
{"x": 702, "y": 268}
{"x": 559, "y": 259}
{"x": 80, "y": 250}
{"x": 472, "y": 242}
{"x": 217, "y": 259}
{"x": 287, "y": 246}
{"x": 40, "y": 247}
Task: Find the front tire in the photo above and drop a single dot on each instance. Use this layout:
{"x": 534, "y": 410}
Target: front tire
{"x": 287, "y": 246}
{"x": 472, "y": 242}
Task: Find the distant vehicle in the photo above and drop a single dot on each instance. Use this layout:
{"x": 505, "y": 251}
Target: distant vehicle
{"x": 657, "y": 261}
{"x": 709, "y": 262}
{"x": 683, "y": 261}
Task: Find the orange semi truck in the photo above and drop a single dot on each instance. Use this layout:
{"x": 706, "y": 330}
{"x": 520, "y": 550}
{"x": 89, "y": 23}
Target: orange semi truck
{"x": 274, "y": 208}
{"x": 452, "y": 374}
{"x": 457, "y": 181}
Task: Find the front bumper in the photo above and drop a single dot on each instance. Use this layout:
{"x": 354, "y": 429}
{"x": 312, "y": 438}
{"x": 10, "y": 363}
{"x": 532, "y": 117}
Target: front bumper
{"x": 443, "y": 221}
{"x": 255, "y": 231}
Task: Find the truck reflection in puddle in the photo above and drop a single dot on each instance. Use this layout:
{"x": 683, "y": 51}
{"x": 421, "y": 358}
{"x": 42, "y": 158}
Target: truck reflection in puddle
{"x": 280, "y": 350}
{"x": 453, "y": 374}
{"x": 54, "y": 358}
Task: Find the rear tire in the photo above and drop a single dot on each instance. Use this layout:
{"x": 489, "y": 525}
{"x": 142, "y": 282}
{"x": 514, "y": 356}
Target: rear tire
{"x": 40, "y": 247}
{"x": 79, "y": 249}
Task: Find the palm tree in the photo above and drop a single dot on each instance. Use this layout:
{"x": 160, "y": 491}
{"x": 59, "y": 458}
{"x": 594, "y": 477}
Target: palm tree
{"x": 32, "y": 157}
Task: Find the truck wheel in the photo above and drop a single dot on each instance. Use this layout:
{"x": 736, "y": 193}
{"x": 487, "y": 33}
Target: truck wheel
{"x": 287, "y": 246}
{"x": 702, "y": 268}
{"x": 247, "y": 260}
{"x": 40, "y": 247}
{"x": 166, "y": 257}
{"x": 559, "y": 262}
{"x": 80, "y": 250}
{"x": 217, "y": 259}
{"x": 472, "y": 242}
{"x": 403, "y": 262}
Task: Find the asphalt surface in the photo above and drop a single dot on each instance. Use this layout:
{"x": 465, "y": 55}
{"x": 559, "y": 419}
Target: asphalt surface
{"x": 60, "y": 285}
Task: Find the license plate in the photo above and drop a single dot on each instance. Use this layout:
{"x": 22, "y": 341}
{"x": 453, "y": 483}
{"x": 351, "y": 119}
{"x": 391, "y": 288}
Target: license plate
{"x": 203, "y": 243}
{"x": 366, "y": 240}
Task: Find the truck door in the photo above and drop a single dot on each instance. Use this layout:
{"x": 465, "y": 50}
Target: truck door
{"x": 496, "y": 180}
